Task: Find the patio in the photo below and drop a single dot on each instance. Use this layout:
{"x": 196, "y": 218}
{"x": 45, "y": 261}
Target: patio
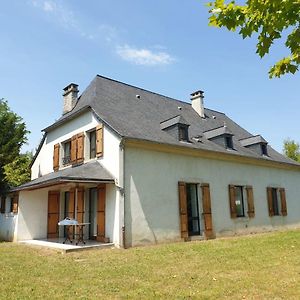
{"x": 57, "y": 244}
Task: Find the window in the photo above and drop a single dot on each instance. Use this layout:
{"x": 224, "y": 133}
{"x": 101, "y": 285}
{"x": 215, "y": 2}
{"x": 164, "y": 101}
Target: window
{"x": 67, "y": 153}
{"x": 183, "y": 133}
{"x": 93, "y": 144}
{"x": 237, "y": 201}
{"x": 276, "y": 201}
{"x": 264, "y": 149}
{"x": 228, "y": 142}
{"x": 3, "y": 204}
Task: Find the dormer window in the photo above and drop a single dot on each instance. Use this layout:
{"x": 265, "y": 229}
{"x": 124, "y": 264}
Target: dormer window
{"x": 183, "y": 134}
{"x": 221, "y": 136}
{"x": 264, "y": 149}
{"x": 256, "y": 144}
{"x": 176, "y": 127}
{"x": 228, "y": 142}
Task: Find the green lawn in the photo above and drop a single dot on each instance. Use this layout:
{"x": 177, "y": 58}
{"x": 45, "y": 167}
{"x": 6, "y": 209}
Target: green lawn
{"x": 265, "y": 266}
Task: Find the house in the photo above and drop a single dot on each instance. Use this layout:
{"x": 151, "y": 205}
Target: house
{"x": 143, "y": 168}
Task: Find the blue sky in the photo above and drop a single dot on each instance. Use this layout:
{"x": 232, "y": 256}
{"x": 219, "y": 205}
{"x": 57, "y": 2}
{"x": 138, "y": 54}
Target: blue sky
{"x": 164, "y": 46}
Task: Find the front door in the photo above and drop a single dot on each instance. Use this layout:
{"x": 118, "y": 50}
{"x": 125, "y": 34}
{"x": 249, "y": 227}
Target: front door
{"x": 53, "y": 214}
{"x": 192, "y": 209}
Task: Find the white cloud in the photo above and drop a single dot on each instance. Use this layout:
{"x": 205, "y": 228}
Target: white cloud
{"x": 49, "y": 6}
{"x": 144, "y": 57}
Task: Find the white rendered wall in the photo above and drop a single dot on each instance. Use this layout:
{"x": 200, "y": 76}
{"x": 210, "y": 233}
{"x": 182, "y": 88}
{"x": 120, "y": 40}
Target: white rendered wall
{"x": 32, "y": 215}
{"x": 151, "y": 194}
{"x": 8, "y": 221}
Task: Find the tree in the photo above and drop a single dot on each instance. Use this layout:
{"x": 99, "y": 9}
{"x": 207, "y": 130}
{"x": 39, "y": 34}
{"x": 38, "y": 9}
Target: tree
{"x": 270, "y": 19}
{"x": 18, "y": 171}
{"x": 12, "y": 137}
{"x": 291, "y": 149}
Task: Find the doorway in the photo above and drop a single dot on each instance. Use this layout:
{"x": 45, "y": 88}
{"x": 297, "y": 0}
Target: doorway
{"x": 192, "y": 209}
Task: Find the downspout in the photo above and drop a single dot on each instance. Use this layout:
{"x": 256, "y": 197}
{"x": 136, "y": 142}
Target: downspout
{"x": 122, "y": 192}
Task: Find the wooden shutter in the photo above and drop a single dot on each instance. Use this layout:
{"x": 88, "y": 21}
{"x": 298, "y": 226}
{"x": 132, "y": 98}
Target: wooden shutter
{"x": 250, "y": 201}
{"x": 80, "y": 148}
{"x": 53, "y": 214}
{"x": 15, "y": 203}
{"x": 74, "y": 149}
{"x": 101, "y": 213}
{"x": 206, "y": 202}
{"x": 56, "y": 157}
{"x": 270, "y": 201}
{"x": 71, "y": 204}
{"x": 283, "y": 202}
{"x": 80, "y": 205}
{"x": 183, "y": 210}
{"x": 99, "y": 140}
{"x": 232, "y": 204}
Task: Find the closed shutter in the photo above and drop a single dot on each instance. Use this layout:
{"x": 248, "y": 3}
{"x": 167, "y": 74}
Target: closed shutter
{"x": 206, "y": 202}
{"x": 250, "y": 201}
{"x": 270, "y": 201}
{"x": 99, "y": 140}
{"x": 183, "y": 209}
{"x": 74, "y": 149}
{"x": 283, "y": 202}
{"x": 15, "y": 203}
{"x": 232, "y": 204}
{"x": 56, "y": 157}
{"x": 101, "y": 213}
{"x": 80, "y": 147}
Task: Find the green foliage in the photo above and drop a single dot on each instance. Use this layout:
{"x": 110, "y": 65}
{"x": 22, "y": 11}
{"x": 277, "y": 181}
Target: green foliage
{"x": 291, "y": 149}
{"x": 18, "y": 171}
{"x": 12, "y": 137}
{"x": 270, "y": 20}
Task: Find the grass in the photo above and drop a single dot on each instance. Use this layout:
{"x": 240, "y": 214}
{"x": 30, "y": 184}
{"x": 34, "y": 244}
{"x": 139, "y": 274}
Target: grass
{"x": 265, "y": 266}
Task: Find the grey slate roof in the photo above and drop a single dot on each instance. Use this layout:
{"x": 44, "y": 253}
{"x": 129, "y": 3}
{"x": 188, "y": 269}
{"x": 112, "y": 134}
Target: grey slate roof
{"x": 89, "y": 172}
{"x": 117, "y": 104}
{"x": 173, "y": 121}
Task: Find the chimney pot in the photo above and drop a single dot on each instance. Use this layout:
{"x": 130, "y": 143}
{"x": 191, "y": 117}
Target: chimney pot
{"x": 70, "y": 97}
{"x": 197, "y": 102}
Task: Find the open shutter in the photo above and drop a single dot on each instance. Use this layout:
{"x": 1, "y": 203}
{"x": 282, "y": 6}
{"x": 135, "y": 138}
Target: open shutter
{"x": 101, "y": 214}
{"x": 56, "y": 157}
{"x": 232, "y": 204}
{"x": 283, "y": 202}
{"x": 74, "y": 149}
{"x": 250, "y": 202}
{"x": 80, "y": 147}
{"x": 206, "y": 202}
{"x": 99, "y": 140}
{"x": 270, "y": 201}
{"x": 15, "y": 203}
{"x": 183, "y": 209}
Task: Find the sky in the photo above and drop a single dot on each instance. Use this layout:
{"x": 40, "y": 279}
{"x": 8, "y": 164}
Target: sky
{"x": 163, "y": 46}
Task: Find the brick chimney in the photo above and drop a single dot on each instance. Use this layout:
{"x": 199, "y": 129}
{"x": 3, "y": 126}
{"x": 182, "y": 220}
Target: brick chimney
{"x": 197, "y": 103}
{"x": 70, "y": 97}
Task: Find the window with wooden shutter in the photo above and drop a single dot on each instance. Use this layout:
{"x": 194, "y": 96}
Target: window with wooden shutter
{"x": 206, "y": 203}
{"x": 183, "y": 210}
{"x": 283, "y": 202}
{"x": 232, "y": 204}
{"x": 250, "y": 201}
{"x": 99, "y": 140}
{"x": 270, "y": 201}
{"x": 56, "y": 157}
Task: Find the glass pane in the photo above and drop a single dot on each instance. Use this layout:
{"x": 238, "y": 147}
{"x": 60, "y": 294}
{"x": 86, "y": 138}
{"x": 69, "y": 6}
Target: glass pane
{"x": 193, "y": 213}
{"x": 92, "y": 144}
{"x": 239, "y": 201}
{"x": 275, "y": 202}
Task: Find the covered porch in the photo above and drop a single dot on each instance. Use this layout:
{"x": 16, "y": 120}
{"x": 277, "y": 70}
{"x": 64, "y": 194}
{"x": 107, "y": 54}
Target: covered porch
{"x": 85, "y": 193}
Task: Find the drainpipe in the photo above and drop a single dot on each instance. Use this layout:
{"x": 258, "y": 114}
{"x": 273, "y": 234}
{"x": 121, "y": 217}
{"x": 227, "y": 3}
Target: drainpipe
{"x": 122, "y": 192}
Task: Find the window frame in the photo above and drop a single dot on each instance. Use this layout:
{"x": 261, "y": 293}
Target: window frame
{"x": 90, "y": 144}
{"x": 183, "y": 134}
{"x": 228, "y": 142}
{"x": 66, "y": 160}
{"x": 241, "y": 188}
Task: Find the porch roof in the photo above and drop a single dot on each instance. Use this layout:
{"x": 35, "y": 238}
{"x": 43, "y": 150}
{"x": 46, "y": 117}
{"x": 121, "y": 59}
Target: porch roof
{"x": 92, "y": 172}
